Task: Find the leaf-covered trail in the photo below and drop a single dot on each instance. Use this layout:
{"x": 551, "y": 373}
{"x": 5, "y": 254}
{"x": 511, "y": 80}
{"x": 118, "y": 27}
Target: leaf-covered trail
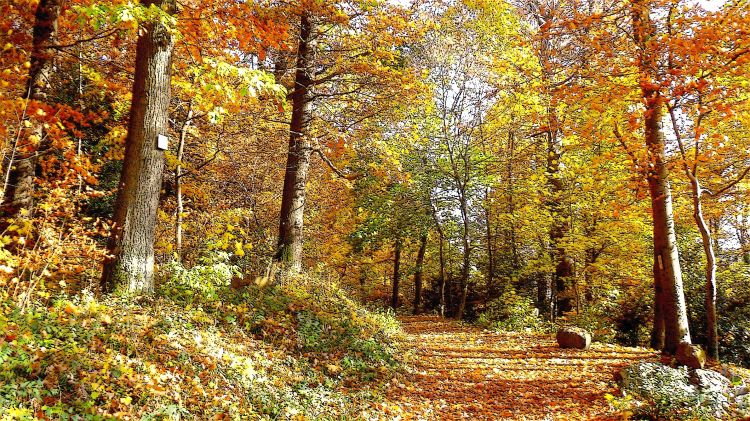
{"x": 462, "y": 372}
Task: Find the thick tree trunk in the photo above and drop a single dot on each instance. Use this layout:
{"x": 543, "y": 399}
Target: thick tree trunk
{"x": 418, "y": 274}
{"x": 19, "y": 193}
{"x": 130, "y": 264}
{"x": 666, "y": 261}
{"x": 396, "y": 274}
{"x": 561, "y": 294}
{"x": 657, "y": 332}
{"x": 291, "y": 223}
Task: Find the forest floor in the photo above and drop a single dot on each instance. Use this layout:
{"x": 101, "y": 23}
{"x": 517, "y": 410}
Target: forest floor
{"x": 463, "y": 372}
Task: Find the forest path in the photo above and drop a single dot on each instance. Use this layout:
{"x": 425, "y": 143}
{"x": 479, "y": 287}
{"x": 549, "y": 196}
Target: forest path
{"x": 462, "y": 372}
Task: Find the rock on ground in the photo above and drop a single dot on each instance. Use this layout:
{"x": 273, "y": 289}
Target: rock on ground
{"x": 573, "y": 337}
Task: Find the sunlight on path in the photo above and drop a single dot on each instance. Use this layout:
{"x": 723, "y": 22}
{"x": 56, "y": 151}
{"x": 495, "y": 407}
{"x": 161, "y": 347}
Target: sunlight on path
{"x": 462, "y": 372}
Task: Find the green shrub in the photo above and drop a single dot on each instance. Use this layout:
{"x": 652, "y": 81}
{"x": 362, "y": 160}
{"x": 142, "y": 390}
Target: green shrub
{"x": 195, "y": 350}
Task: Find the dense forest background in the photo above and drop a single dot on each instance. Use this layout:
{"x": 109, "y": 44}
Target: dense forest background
{"x": 514, "y": 164}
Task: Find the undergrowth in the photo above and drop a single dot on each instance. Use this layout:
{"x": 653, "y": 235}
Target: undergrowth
{"x": 196, "y": 350}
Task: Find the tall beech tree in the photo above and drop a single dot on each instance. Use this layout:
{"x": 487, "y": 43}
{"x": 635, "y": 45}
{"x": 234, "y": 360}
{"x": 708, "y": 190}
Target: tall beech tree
{"x": 291, "y": 220}
{"x": 347, "y": 65}
{"x": 130, "y": 264}
{"x": 670, "y": 315}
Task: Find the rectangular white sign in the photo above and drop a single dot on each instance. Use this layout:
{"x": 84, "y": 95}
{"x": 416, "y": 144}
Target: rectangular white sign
{"x": 162, "y": 142}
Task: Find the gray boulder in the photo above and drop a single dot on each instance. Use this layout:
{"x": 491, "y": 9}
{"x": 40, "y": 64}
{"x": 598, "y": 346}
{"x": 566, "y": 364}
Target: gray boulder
{"x": 710, "y": 381}
{"x": 573, "y": 337}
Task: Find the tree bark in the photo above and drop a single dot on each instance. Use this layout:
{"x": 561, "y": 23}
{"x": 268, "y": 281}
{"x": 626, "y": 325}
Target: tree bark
{"x": 291, "y": 223}
{"x": 396, "y": 274}
{"x": 23, "y": 164}
{"x": 418, "y": 273}
{"x": 130, "y": 264}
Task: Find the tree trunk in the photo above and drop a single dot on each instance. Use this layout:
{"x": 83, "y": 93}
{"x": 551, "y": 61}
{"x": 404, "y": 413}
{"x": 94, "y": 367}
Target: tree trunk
{"x": 491, "y": 287}
{"x": 396, "y": 274}
{"x": 712, "y": 333}
{"x": 544, "y": 296}
{"x": 418, "y": 273}
{"x": 441, "y": 255}
{"x": 743, "y": 236}
{"x": 441, "y": 303}
{"x": 466, "y": 264}
{"x": 667, "y": 271}
{"x": 696, "y": 191}
{"x": 130, "y": 264}
{"x": 178, "y": 174}
{"x": 291, "y": 223}
{"x": 657, "y": 333}
{"x": 562, "y": 301}
{"x": 23, "y": 164}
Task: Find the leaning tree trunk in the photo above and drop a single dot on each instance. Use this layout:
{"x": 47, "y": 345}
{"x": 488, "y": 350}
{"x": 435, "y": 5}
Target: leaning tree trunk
{"x": 667, "y": 272}
{"x": 130, "y": 264}
{"x": 712, "y": 335}
{"x": 21, "y": 179}
{"x": 396, "y": 274}
{"x": 291, "y": 221}
{"x": 418, "y": 274}
{"x": 712, "y": 332}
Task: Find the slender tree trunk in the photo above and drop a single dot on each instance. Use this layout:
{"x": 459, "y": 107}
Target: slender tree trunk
{"x": 130, "y": 264}
{"x": 178, "y": 174}
{"x": 466, "y": 264}
{"x": 23, "y": 164}
{"x": 418, "y": 273}
{"x": 396, "y": 274}
{"x": 291, "y": 224}
{"x": 441, "y": 303}
{"x": 712, "y": 333}
{"x": 712, "y": 336}
{"x": 491, "y": 287}
{"x": 441, "y": 253}
{"x": 743, "y": 235}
